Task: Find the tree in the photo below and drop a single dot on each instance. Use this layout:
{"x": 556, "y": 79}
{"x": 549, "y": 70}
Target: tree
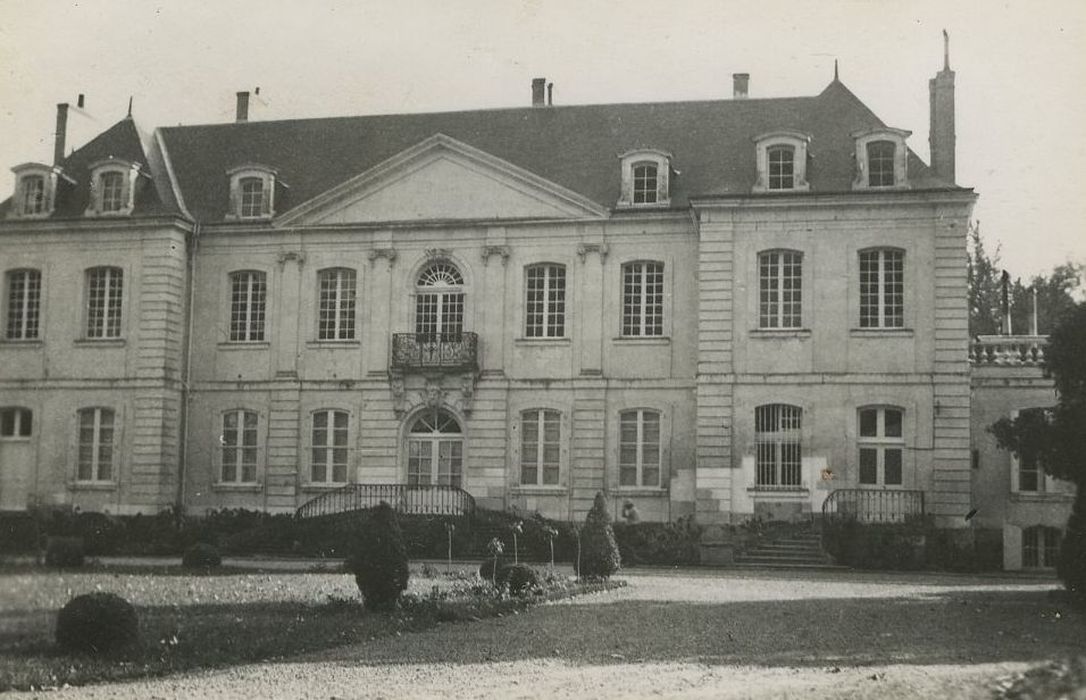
{"x": 379, "y": 560}
{"x": 599, "y": 551}
{"x": 984, "y": 286}
{"x": 1057, "y": 438}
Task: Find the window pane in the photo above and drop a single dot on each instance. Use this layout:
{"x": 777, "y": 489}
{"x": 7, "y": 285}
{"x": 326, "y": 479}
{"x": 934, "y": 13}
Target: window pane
{"x": 869, "y": 469}
{"x": 7, "y": 422}
{"x": 892, "y": 466}
{"x": 627, "y": 476}
{"x": 869, "y": 421}
{"x": 893, "y": 423}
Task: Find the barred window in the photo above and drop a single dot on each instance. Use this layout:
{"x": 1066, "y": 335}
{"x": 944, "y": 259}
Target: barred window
{"x": 882, "y": 446}
{"x": 780, "y": 286}
{"x": 16, "y": 422}
{"x": 540, "y": 447}
{"x": 104, "y": 290}
{"x": 882, "y": 289}
{"x": 644, "y": 183}
{"x": 880, "y": 163}
{"x": 329, "y": 448}
{"x": 781, "y": 167}
{"x": 778, "y": 445}
{"x": 95, "y": 458}
{"x": 33, "y": 194}
{"x": 252, "y": 197}
{"x": 639, "y": 448}
{"x": 643, "y": 299}
{"x": 111, "y": 191}
{"x": 248, "y": 292}
{"x": 239, "y": 446}
{"x": 24, "y": 304}
{"x": 337, "y": 304}
{"x": 546, "y": 302}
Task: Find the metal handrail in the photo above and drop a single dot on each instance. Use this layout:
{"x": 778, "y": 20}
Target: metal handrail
{"x": 427, "y": 499}
{"x": 435, "y": 350}
{"x": 874, "y": 505}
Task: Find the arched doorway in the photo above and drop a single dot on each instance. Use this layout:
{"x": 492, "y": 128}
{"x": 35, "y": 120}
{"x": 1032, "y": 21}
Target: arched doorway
{"x": 435, "y": 450}
{"x": 439, "y": 303}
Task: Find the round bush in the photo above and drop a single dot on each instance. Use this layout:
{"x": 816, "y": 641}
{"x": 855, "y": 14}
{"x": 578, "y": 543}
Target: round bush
{"x": 201, "y": 556}
{"x": 599, "y": 553}
{"x": 520, "y": 578}
{"x": 97, "y": 623}
{"x": 64, "y": 551}
{"x": 379, "y": 560}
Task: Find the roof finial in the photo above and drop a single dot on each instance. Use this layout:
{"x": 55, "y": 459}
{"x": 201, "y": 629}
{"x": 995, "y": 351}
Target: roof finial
{"x": 129, "y": 106}
{"x": 946, "y": 51}
{"x": 835, "y": 70}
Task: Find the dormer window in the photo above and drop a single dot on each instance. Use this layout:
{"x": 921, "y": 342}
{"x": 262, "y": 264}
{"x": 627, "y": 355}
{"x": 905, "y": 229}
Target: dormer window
{"x": 113, "y": 188}
{"x": 782, "y": 162}
{"x": 645, "y": 175}
{"x": 881, "y": 158}
{"x": 252, "y": 193}
{"x": 35, "y": 190}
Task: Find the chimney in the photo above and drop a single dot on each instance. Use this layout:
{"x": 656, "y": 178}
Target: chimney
{"x": 941, "y": 130}
{"x": 539, "y": 86}
{"x": 740, "y": 84}
{"x": 550, "y": 94}
{"x": 243, "y": 106}
{"x": 61, "y": 133}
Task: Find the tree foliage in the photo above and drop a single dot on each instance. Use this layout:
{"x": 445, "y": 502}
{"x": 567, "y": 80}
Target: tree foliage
{"x": 599, "y": 556}
{"x": 379, "y": 560}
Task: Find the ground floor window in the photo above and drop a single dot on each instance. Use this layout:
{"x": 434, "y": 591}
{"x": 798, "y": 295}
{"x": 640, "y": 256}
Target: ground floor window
{"x": 329, "y": 447}
{"x": 16, "y": 422}
{"x": 435, "y": 450}
{"x": 540, "y": 447}
{"x": 639, "y": 448}
{"x": 881, "y": 445}
{"x": 777, "y": 441}
{"x": 95, "y": 459}
{"x": 1040, "y": 546}
{"x": 239, "y": 446}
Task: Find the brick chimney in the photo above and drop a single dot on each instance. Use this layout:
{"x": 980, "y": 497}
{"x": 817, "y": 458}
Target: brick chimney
{"x": 243, "y": 106}
{"x": 539, "y": 88}
{"x": 61, "y": 132}
{"x": 740, "y": 85}
{"x": 941, "y": 131}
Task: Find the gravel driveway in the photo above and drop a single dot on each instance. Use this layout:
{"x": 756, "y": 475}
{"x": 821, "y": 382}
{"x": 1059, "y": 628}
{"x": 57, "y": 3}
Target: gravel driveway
{"x": 691, "y": 635}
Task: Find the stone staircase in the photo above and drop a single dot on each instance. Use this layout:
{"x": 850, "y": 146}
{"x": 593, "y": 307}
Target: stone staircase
{"x": 797, "y": 549}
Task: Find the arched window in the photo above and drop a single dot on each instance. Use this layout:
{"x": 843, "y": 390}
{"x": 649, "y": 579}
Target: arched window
{"x": 643, "y": 299}
{"x": 435, "y": 450}
{"x": 777, "y": 441}
{"x": 23, "y": 304}
{"x": 882, "y": 288}
{"x": 329, "y": 448}
{"x": 337, "y": 304}
{"x": 639, "y": 448}
{"x": 248, "y": 294}
{"x": 252, "y": 192}
{"x": 545, "y": 309}
{"x": 105, "y": 287}
{"x": 439, "y": 303}
{"x": 780, "y": 289}
{"x": 540, "y": 447}
{"x": 881, "y": 443}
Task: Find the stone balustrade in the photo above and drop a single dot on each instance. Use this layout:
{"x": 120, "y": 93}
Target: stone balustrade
{"x": 1008, "y": 350}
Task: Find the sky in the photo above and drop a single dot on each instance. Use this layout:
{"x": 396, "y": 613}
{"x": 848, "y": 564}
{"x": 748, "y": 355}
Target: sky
{"x": 1021, "y": 70}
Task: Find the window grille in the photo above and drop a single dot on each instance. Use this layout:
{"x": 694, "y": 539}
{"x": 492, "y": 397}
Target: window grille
{"x": 24, "y": 304}
{"x": 777, "y": 438}
{"x": 546, "y": 302}
{"x": 643, "y": 299}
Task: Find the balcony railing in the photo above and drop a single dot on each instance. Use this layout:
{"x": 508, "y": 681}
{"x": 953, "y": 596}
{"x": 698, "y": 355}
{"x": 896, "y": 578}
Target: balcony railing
{"x": 458, "y": 351}
{"x": 1008, "y": 350}
{"x": 873, "y": 506}
{"x": 424, "y": 499}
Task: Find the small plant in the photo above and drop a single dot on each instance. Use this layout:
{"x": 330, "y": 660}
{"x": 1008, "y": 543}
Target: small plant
{"x": 600, "y": 557}
{"x": 97, "y": 623}
{"x": 64, "y": 551}
{"x": 520, "y": 579}
{"x": 201, "y": 556}
{"x": 495, "y": 548}
{"x": 379, "y": 560}
{"x": 449, "y": 529}
{"x": 550, "y": 533}
{"x": 516, "y": 528}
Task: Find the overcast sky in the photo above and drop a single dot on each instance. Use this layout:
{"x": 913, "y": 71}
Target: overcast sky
{"x": 1021, "y": 73}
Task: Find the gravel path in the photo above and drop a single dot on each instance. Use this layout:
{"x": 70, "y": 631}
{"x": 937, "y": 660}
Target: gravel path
{"x": 717, "y": 635}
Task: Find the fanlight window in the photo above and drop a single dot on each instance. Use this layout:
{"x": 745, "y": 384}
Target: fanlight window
{"x": 439, "y": 303}
{"x": 441, "y": 274}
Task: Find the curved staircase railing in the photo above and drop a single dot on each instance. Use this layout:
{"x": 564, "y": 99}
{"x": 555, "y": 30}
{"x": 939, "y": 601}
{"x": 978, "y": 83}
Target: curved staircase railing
{"x": 873, "y": 505}
{"x": 424, "y": 499}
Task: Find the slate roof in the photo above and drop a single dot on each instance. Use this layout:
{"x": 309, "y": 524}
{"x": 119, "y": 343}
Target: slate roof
{"x": 578, "y": 147}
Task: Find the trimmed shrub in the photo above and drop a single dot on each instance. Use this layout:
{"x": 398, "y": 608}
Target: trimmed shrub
{"x": 599, "y": 553}
{"x": 379, "y": 560}
{"x": 659, "y": 543}
{"x": 1071, "y": 567}
{"x": 64, "y": 551}
{"x": 898, "y": 546}
{"x": 97, "y": 623}
{"x": 519, "y": 578}
{"x": 201, "y": 556}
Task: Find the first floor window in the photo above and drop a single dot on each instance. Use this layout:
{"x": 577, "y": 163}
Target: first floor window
{"x": 540, "y": 447}
{"x": 779, "y": 454}
{"x": 95, "y": 458}
{"x": 881, "y": 445}
{"x": 16, "y": 423}
{"x": 248, "y": 292}
{"x": 780, "y": 289}
{"x": 104, "y": 289}
{"x": 639, "y": 448}
{"x": 882, "y": 289}
{"x": 546, "y": 302}
{"x": 239, "y": 446}
{"x": 329, "y": 448}
{"x": 643, "y": 299}
{"x": 24, "y": 304}
{"x": 337, "y": 301}
{"x": 1040, "y": 546}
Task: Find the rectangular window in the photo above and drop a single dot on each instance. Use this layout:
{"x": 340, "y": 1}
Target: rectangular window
{"x": 639, "y": 448}
{"x": 880, "y": 163}
{"x": 329, "y": 448}
{"x": 540, "y": 447}
{"x": 781, "y": 168}
{"x": 643, "y": 299}
{"x": 104, "y": 289}
{"x": 780, "y": 287}
{"x": 239, "y": 447}
{"x": 252, "y": 197}
{"x": 546, "y": 302}
{"x": 33, "y": 194}
{"x": 882, "y": 289}
{"x": 644, "y": 183}
{"x": 881, "y": 445}
{"x": 248, "y": 292}
{"x": 24, "y": 304}
{"x": 95, "y": 457}
{"x": 16, "y": 423}
{"x": 111, "y": 186}
{"x": 779, "y": 450}
{"x": 337, "y": 304}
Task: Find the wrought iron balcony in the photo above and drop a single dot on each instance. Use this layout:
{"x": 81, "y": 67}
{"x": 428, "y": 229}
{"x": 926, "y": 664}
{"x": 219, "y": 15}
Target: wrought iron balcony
{"x": 874, "y": 505}
{"x": 426, "y": 499}
{"x": 1008, "y": 350}
{"x": 414, "y": 351}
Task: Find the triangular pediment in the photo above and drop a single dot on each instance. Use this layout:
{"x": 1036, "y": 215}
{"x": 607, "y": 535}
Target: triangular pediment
{"x": 442, "y": 179}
